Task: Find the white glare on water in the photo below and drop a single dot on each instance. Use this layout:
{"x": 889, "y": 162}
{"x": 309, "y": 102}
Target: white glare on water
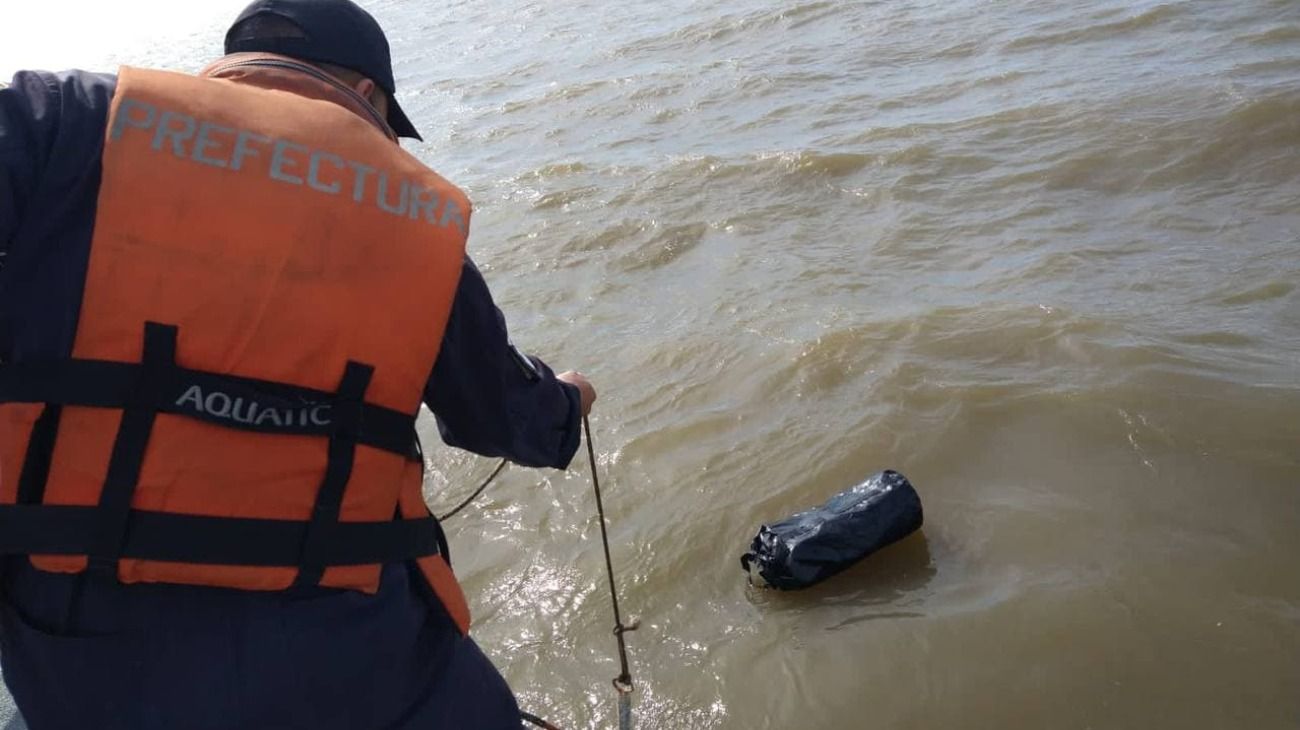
{"x": 62, "y": 34}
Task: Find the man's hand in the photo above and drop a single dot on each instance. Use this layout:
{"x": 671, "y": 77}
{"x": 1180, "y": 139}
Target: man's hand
{"x": 586, "y": 392}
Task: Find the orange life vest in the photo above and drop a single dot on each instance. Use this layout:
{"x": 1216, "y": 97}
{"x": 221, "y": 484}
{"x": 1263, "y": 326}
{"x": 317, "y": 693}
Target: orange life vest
{"x": 269, "y": 281}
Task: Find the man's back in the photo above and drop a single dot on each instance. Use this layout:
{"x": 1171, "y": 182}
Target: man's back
{"x": 82, "y": 651}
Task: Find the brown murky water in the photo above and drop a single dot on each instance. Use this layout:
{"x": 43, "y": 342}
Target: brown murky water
{"x": 1042, "y": 257}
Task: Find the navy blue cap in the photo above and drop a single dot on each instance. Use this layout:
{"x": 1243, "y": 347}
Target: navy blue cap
{"x": 337, "y": 32}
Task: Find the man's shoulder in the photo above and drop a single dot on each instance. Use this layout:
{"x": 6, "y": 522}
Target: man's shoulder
{"x": 72, "y": 86}
{"x": 68, "y": 98}
{"x": 56, "y": 116}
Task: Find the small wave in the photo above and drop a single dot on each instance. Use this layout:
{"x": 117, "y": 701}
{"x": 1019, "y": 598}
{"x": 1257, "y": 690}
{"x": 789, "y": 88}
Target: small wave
{"x": 567, "y": 92}
{"x": 667, "y": 245}
{"x": 1095, "y": 169}
{"x": 1276, "y": 118}
{"x": 573, "y": 91}
{"x": 1217, "y": 338}
{"x": 806, "y": 13}
{"x": 799, "y": 165}
{"x": 605, "y": 238}
{"x": 727, "y": 28}
{"x": 664, "y": 116}
{"x": 1257, "y": 137}
{"x": 809, "y": 165}
{"x": 1283, "y": 68}
{"x": 965, "y": 49}
{"x": 1263, "y": 293}
{"x": 1021, "y": 124}
{"x": 563, "y": 198}
{"x": 1101, "y": 32}
{"x": 559, "y": 169}
{"x": 988, "y": 350}
{"x": 649, "y": 91}
{"x": 781, "y": 113}
{"x": 1273, "y": 36}
{"x": 835, "y": 164}
{"x": 692, "y": 35}
{"x": 800, "y": 11}
{"x": 1000, "y": 79}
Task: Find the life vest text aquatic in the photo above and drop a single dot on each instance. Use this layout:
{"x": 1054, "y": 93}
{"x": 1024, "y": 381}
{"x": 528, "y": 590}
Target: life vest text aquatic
{"x": 269, "y": 281}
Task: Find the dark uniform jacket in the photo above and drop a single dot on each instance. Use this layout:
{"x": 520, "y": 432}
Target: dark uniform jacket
{"x": 159, "y": 656}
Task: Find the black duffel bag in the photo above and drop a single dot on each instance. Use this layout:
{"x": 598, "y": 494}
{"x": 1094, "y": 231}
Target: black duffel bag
{"x": 809, "y": 547}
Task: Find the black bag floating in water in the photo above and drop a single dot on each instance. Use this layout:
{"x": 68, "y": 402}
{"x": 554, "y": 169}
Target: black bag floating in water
{"x": 811, "y": 546}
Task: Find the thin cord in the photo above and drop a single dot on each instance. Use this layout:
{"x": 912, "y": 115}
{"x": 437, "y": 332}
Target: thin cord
{"x": 529, "y": 717}
{"x": 539, "y": 722}
{"x": 477, "y": 492}
{"x": 624, "y": 681}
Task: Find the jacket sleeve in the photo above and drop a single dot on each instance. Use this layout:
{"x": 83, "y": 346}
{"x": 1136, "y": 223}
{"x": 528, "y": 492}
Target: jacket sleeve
{"x": 29, "y": 119}
{"x": 493, "y": 400}
{"x": 51, "y": 145}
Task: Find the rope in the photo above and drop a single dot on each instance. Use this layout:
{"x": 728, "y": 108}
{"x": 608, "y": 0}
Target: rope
{"x": 528, "y": 716}
{"x": 622, "y": 683}
{"x": 476, "y": 493}
{"x": 539, "y": 722}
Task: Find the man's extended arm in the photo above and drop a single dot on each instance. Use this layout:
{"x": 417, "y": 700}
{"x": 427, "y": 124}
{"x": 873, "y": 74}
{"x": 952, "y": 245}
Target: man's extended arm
{"x": 492, "y": 400}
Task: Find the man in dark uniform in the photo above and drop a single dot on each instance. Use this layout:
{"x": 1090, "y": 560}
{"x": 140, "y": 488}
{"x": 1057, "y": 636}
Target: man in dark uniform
{"x": 155, "y": 655}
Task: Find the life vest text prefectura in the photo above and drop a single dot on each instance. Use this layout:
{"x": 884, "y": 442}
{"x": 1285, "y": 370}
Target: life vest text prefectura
{"x": 291, "y": 163}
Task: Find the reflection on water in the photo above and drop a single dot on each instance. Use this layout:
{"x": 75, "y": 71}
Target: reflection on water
{"x": 889, "y": 584}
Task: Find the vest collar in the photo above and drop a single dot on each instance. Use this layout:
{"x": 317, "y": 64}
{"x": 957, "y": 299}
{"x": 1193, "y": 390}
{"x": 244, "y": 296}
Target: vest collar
{"x": 270, "y": 71}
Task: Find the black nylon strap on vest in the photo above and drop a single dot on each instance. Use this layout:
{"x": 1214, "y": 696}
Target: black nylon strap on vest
{"x": 247, "y": 404}
{"x": 129, "y": 447}
{"x": 338, "y": 470}
{"x": 112, "y": 530}
{"x": 165, "y": 536}
{"x": 40, "y": 452}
